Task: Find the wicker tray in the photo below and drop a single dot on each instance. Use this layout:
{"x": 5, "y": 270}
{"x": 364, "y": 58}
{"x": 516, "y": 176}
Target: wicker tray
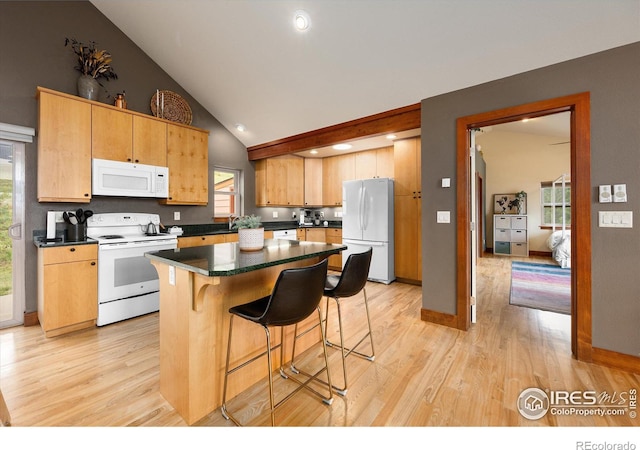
{"x": 175, "y": 108}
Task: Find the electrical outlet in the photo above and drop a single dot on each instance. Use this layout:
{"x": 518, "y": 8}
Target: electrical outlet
{"x": 443, "y": 217}
{"x": 176, "y": 215}
{"x": 275, "y": 214}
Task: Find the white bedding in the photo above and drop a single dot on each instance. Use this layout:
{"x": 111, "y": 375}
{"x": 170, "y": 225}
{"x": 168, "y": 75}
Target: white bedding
{"x": 560, "y": 244}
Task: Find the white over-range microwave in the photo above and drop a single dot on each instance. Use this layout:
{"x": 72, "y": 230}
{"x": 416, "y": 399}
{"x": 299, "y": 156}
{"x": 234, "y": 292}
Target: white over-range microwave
{"x": 123, "y": 179}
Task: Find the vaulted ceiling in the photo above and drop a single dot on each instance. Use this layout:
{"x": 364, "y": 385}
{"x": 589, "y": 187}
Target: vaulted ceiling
{"x": 246, "y": 64}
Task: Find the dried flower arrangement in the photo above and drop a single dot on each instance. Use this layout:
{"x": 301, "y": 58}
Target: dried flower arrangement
{"x": 91, "y": 61}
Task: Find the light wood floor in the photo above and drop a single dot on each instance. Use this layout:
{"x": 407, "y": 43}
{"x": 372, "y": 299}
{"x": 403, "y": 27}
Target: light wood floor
{"x": 423, "y": 374}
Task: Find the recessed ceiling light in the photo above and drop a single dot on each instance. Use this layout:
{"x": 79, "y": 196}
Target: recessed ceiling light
{"x": 314, "y": 152}
{"x": 342, "y": 146}
{"x": 301, "y": 20}
{"x": 391, "y": 136}
{"x": 241, "y": 128}
{"x": 525, "y": 120}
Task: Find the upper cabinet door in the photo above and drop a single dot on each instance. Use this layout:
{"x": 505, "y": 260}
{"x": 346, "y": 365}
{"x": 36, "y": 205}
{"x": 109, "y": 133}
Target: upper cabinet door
{"x": 149, "y": 141}
{"x": 64, "y": 149}
{"x": 188, "y": 162}
{"x": 111, "y": 134}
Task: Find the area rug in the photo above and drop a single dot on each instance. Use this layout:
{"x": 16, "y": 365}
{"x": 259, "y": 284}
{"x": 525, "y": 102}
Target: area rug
{"x": 541, "y": 286}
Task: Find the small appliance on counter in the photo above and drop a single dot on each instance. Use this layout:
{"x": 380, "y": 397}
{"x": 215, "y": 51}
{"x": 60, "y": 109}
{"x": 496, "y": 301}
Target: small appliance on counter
{"x": 306, "y": 218}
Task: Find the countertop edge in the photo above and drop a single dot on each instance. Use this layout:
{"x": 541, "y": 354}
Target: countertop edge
{"x": 337, "y": 248}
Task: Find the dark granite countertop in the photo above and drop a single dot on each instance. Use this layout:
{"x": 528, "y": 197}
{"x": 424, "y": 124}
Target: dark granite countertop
{"x": 40, "y": 241}
{"x": 227, "y": 259}
{"x": 223, "y": 228}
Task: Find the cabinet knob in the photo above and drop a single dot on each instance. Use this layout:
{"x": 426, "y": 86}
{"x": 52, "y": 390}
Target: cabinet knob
{"x": 86, "y": 194}
{"x": 129, "y": 159}
{"x": 72, "y": 249}
{"x": 137, "y": 160}
{"x": 93, "y": 263}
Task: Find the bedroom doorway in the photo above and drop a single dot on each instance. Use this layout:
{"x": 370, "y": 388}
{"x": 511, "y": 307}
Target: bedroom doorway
{"x": 528, "y": 156}
{"x": 579, "y": 107}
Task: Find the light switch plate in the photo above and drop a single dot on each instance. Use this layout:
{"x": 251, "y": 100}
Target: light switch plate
{"x": 446, "y": 182}
{"x": 443, "y": 217}
{"x": 615, "y": 219}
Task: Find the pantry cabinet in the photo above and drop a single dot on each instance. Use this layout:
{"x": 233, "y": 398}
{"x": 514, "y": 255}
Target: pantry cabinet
{"x": 64, "y": 149}
{"x": 188, "y": 162}
{"x": 67, "y": 288}
{"x": 280, "y": 181}
{"x": 408, "y": 210}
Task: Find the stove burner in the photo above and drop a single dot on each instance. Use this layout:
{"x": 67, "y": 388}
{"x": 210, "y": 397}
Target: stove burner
{"x": 111, "y": 236}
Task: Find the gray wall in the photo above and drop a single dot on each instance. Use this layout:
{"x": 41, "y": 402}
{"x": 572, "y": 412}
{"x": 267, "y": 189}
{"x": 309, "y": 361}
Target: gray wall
{"x": 612, "y": 79}
{"x": 32, "y": 53}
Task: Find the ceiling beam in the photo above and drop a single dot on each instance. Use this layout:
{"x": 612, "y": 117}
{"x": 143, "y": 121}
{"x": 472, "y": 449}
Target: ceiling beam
{"x": 393, "y": 121}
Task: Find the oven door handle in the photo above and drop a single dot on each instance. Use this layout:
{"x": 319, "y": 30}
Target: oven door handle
{"x": 166, "y": 244}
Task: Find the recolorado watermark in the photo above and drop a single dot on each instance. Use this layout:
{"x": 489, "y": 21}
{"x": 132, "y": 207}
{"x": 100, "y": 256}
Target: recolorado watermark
{"x": 535, "y": 403}
{"x": 589, "y": 445}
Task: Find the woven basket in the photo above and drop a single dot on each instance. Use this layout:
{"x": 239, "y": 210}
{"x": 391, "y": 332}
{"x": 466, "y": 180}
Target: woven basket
{"x": 175, "y": 108}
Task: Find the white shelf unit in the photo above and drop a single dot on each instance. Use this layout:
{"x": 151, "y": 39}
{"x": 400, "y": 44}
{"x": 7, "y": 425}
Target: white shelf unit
{"x": 510, "y": 235}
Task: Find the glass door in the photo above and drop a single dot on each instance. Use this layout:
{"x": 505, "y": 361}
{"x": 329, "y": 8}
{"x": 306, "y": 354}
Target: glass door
{"x": 12, "y": 234}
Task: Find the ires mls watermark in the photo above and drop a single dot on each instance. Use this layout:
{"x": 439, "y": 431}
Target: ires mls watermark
{"x": 534, "y": 403}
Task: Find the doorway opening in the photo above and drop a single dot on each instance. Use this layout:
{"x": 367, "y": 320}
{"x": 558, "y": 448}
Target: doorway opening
{"x": 579, "y": 107}
{"x": 12, "y": 186}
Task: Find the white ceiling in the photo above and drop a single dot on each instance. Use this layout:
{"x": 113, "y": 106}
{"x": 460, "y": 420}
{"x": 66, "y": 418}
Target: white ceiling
{"x": 244, "y": 62}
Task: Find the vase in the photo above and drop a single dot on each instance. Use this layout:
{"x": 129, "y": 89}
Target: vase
{"x": 251, "y": 239}
{"x": 88, "y": 87}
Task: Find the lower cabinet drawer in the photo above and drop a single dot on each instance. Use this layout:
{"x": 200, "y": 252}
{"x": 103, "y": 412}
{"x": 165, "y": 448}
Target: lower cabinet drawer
{"x": 519, "y": 249}
{"x": 503, "y": 235}
{"x": 518, "y": 236}
{"x": 503, "y": 248}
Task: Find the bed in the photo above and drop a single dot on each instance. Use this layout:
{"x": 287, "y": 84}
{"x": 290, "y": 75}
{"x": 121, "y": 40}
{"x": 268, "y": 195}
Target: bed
{"x": 560, "y": 240}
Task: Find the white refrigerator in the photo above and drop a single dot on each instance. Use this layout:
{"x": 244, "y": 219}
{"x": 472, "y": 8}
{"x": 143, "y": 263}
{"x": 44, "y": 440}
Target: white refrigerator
{"x": 367, "y": 221}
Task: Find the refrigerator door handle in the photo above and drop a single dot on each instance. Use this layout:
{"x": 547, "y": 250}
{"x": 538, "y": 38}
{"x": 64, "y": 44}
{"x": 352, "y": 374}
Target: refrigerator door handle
{"x": 366, "y": 243}
{"x": 363, "y": 214}
{"x": 360, "y": 207}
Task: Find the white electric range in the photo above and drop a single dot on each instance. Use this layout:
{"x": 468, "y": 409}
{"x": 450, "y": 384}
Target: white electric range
{"x": 127, "y": 282}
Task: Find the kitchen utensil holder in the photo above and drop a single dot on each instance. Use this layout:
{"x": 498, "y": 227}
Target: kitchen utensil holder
{"x": 76, "y": 232}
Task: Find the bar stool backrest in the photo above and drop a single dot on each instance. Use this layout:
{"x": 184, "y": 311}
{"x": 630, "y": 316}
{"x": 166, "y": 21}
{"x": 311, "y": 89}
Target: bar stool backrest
{"x": 296, "y": 294}
{"x": 354, "y": 275}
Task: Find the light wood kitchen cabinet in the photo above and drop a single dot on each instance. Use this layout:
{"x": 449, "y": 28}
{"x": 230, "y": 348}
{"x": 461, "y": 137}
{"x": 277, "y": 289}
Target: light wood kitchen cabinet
{"x": 313, "y": 182}
{"x": 334, "y": 236}
{"x": 335, "y": 170}
{"x": 376, "y": 163}
{"x": 211, "y": 239}
{"x": 64, "y": 148}
{"x": 408, "y": 210}
{"x": 150, "y": 141}
{"x": 195, "y": 241}
{"x": 280, "y": 181}
{"x": 111, "y": 134}
{"x": 188, "y": 162}
{"x": 121, "y": 136}
{"x": 67, "y": 288}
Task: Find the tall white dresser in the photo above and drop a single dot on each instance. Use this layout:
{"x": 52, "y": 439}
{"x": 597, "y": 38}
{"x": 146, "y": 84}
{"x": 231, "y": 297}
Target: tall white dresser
{"x": 510, "y": 235}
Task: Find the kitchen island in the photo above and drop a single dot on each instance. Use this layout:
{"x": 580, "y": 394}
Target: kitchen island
{"x": 198, "y": 285}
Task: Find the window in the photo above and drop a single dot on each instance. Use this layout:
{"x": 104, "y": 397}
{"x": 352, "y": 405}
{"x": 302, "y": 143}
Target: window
{"x": 551, "y": 200}
{"x": 226, "y": 196}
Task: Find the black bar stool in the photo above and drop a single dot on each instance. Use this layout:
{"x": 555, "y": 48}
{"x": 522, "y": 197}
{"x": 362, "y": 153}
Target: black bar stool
{"x": 349, "y": 283}
{"x": 296, "y": 294}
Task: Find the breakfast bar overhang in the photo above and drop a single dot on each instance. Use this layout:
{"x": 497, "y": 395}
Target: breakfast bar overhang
{"x": 198, "y": 285}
